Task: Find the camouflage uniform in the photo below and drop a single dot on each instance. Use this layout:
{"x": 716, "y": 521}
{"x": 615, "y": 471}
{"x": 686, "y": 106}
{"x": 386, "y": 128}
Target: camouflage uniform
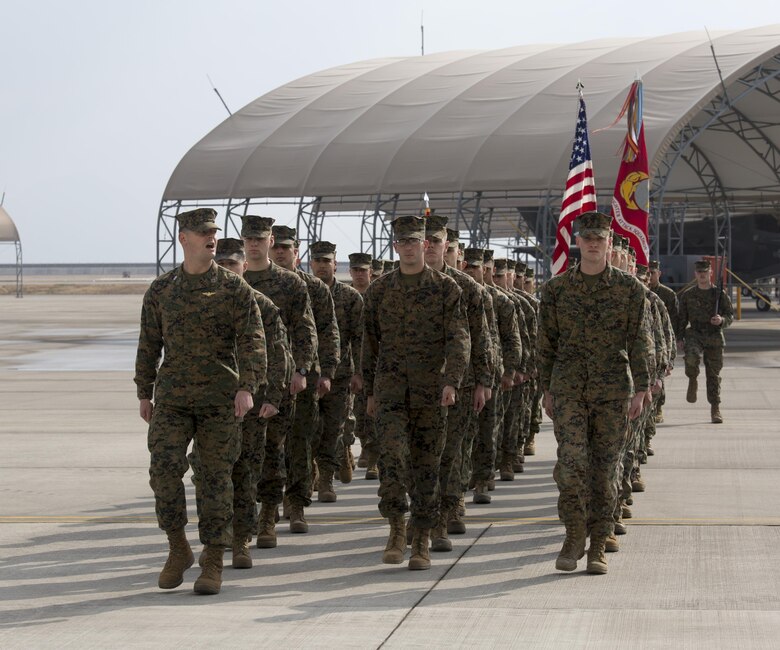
{"x": 289, "y": 294}
{"x": 415, "y": 342}
{"x": 702, "y": 339}
{"x": 209, "y": 328}
{"x": 335, "y": 406}
{"x": 594, "y": 352}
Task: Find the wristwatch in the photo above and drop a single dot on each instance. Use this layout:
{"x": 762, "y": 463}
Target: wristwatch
{"x": 302, "y": 372}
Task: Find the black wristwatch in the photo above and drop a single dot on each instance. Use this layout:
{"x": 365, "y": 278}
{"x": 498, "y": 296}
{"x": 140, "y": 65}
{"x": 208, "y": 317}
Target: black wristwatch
{"x": 302, "y": 372}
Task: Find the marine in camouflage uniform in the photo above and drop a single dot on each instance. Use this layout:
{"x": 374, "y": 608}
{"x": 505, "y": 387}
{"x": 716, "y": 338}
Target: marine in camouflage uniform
{"x": 531, "y": 415}
{"x": 247, "y": 470}
{"x": 415, "y": 350}
{"x": 509, "y": 460}
{"x": 305, "y": 427}
{"x": 507, "y": 349}
{"x": 337, "y": 403}
{"x": 205, "y": 324}
{"x": 288, "y": 292}
{"x": 536, "y": 399}
{"x": 704, "y": 312}
{"x": 594, "y": 359}
{"x": 669, "y": 298}
{"x": 478, "y": 380}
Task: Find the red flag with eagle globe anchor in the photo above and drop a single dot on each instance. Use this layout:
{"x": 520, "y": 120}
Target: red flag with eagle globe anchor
{"x": 631, "y": 200}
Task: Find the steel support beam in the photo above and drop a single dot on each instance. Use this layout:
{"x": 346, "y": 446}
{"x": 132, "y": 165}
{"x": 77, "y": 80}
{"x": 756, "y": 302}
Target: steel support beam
{"x": 376, "y": 236}
{"x": 308, "y": 226}
{"x": 166, "y": 236}
{"x": 19, "y": 270}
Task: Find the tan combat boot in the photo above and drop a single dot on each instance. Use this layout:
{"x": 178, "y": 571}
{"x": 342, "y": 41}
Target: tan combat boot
{"x": 597, "y": 556}
{"x": 462, "y": 505}
{"x": 266, "y": 526}
{"x": 693, "y": 387}
{"x": 325, "y": 491}
{"x": 440, "y": 543}
{"x": 573, "y": 548}
{"x": 362, "y": 459}
{"x": 611, "y": 545}
{"x": 421, "y": 555}
{"x": 210, "y": 580}
{"x": 529, "y": 448}
{"x": 506, "y": 469}
{"x": 372, "y": 470}
{"x": 242, "y": 558}
{"x": 297, "y": 520}
{"x": 396, "y": 543}
{"x": 518, "y": 464}
{"x": 481, "y": 492}
{"x": 180, "y": 558}
{"x": 491, "y": 484}
{"x": 717, "y": 418}
{"x": 626, "y": 512}
{"x": 345, "y": 465}
{"x": 637, "y": 484}
{"x": 455, "y": 523}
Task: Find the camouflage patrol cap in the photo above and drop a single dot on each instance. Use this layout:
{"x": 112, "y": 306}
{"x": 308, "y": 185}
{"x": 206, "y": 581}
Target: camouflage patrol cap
{"x": 284, "y": 235}
{"x": 436, "y": 227}
{"x": 199, "y": 220}
{"x": 387, "y": 266}
{"x": 452, "y": 238}
{"x": 409, "y": 227}
{"x": 632, "y": 251}
{"x": 377, "y": 267}
{"x": 489, "y": 257}
{"x": 641, "y": 271}
{"x": 702, "y": 265}
{"x": 593, "y": 223}
{"x": 230, "y": 249}
{"x": 322, "y": 250}
{"x": 499, "y": 266}
{"x": 361, "y": 261}
{"x": 520, "y": 267}
{"x": 654, "y": 265}
{"x": 510, "y": 264}
{"x": 474, "y": 256}
{"x": 255, "y": 226}
{"x": 529, "y": 272}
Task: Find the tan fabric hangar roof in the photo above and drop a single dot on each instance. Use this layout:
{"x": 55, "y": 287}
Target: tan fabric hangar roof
{"x": 470, "y": 121}
{"x": 8, "y": 231}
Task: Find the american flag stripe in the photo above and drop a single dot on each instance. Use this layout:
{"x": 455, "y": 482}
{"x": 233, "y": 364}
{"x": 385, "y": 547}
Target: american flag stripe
{"x": 580, "y": 193}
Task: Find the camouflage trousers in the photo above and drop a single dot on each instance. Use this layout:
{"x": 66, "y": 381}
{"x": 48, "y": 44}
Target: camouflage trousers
{"x": 483, "y": 453}
{"x": 464, "y": 463}
{"x": 629, "y": 461}
{"x": 460, "y": 418}
{"x": 536, "y": 410}
{"x": 710, "y": 349}
{"x": 365, "y": 426}
{"x": 301, "y": 439}
{"x": 591, "y": 440}
{"x": 513, "y": 415}
{"x": 411, "y": 441}
{"x": 648, "y": 430}
{"x": 216, "y": 436}
{"x": 246, "y": 472}
{"x": 334, "y": 408}
{"x": 273, "y": 473}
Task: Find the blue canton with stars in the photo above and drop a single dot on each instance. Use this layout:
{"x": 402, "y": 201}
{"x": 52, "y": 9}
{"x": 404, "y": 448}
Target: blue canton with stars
{"x": 581, "y": 149}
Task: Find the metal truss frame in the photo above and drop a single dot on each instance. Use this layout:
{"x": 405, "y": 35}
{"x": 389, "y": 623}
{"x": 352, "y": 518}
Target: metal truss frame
{"x": 721, "y": 114}
{"x": 376, "y": 236}
{"x": 308, "y": 225}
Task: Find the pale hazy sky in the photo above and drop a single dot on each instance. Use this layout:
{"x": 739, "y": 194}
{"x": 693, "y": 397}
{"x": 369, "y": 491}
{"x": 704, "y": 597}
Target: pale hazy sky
{"x": 101, "y": 99}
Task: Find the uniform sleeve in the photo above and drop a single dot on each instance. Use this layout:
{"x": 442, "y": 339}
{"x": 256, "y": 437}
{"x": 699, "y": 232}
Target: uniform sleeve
{"x": 547, "y": 337}
{"x": 682, "y": 316}
{"x": 370, "y": 343}
{"x": 481, "y": 352}
{"x": 303, "y": 336}
{"x": 250, "y": 341}
{"x": 639, "y": 343}
{"x": 150, "y": 345}
{"x": 522, "y": 329}
{"x": 457, "y": 351}
{"x": 328, "y": 342}
{"x": 531, "y": 323}
{"x": 278, "y": 355}
{"x": 509, "y": 332}
{"x": 356, "y": 319}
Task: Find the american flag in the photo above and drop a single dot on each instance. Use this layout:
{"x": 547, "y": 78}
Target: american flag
{"x": 580, "y": 193}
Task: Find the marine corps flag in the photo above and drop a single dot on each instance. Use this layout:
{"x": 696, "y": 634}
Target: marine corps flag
{"x": 631, "y": 201}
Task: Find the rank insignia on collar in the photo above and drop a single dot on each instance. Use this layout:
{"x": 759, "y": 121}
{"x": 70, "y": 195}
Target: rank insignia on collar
{"x": 208, "y": 294}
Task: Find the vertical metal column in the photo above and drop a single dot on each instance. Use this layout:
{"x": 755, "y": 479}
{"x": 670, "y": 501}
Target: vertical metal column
{"x": 309, "y": 225}
{"x": 19, "y": 269}
{"x": 166, "y": 236}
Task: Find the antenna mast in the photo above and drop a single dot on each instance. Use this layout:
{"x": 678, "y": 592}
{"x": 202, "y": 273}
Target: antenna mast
{"x": 220, "y": 96}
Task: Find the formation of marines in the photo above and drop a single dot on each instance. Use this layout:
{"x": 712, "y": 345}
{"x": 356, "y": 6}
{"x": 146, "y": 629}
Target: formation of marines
{"x": 439, "y": 364}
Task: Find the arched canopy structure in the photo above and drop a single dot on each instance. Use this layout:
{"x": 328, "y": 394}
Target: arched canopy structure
{"x": 488, "y": 135}
{"x": 10, "y": 235}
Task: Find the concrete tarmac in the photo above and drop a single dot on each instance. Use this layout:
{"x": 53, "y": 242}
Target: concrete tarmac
{"x": 80, "y": 549}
